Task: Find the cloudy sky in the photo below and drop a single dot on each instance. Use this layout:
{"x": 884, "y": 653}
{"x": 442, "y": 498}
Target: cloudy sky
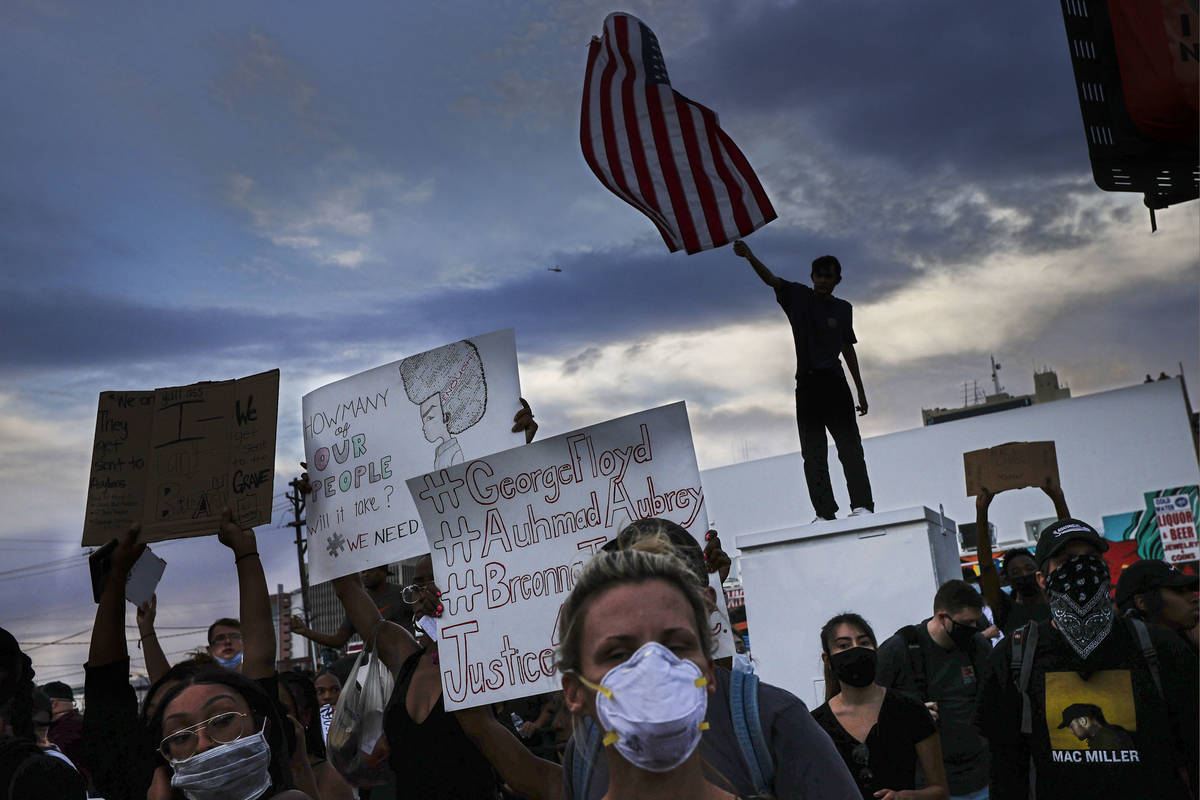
{"x": 200, "y": 191}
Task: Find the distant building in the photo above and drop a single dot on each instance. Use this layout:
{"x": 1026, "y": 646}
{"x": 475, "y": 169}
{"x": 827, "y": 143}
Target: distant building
{"x": 1046, "y": 389}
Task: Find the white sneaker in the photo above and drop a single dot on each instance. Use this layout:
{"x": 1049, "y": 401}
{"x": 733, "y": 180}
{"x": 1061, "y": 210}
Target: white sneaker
{"x": 858, "y": 512}
{"x": 819, "y": 518}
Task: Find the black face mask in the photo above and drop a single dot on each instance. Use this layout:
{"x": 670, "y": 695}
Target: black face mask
{"x": 1025, "y": 585}
{"x": 854, "y": 667}
{"x": 962, "y": 635}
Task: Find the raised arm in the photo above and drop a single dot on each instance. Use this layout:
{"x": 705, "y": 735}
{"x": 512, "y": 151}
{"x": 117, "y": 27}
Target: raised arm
{"x": 156, "y": 660}
{"x": 395, "y": 643}
{"x": 989, "y": 579}
{"x": 852, "y": 364}
{"x": 108, "y": 631}
{"x": 1055, "y": 493}
{"x": 338, "y": 639}
{"x": 530, "y": 776}
{"x": 741, "y": 249}
{"x": 258, "y": 633}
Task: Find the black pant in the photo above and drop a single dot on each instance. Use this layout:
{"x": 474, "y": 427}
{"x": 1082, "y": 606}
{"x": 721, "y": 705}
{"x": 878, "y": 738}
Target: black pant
{"x": 823, "y": 401}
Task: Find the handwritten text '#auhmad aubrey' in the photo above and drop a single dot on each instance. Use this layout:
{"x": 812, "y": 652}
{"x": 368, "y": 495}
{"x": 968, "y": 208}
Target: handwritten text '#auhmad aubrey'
{"x": 466, "y": 545}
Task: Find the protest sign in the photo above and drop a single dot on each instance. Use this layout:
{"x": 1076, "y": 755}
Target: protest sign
{"x": 1014, "y": 465}
{"x": 365, "y": 434}
{"x": 509, "y": 533}
{"x": 1177, "y": 527}
{"x": 172, "y": 458}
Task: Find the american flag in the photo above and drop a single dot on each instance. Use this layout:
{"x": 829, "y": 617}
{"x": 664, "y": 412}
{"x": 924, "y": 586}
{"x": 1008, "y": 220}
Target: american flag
{"x": 660, "y": 152}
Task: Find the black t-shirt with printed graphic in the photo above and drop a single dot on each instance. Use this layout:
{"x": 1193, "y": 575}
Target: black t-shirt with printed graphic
{"x": 1100, "y": 728}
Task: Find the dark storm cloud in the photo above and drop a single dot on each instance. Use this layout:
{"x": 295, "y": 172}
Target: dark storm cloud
{"x": 986, "y": 90}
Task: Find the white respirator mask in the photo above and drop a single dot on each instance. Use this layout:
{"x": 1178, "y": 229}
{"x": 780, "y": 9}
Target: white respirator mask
{"x": 652, "y": 707}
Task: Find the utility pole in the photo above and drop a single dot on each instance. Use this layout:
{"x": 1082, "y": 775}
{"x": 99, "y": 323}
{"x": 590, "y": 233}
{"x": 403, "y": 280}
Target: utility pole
{"x": 297, "y": 500}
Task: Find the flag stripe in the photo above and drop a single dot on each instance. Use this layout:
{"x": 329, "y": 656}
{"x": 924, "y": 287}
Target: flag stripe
{"x": 706, "y": 193}
{"x": 659, "y": 151}
{"x": 734, "y": 189}
{"x": 666, "y": 162}
{"x": 591, "y": 135}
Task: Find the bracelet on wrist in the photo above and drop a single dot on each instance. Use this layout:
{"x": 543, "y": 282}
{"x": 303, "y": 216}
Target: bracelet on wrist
{"x": 245, "y": 555}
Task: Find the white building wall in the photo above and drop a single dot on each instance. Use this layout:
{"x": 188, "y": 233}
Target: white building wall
{"x": 1112, "y": 447}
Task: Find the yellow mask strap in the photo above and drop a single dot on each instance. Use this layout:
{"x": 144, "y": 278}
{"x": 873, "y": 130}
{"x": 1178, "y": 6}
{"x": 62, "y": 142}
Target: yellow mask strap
{"x": 702, "y": 681}
{"x": 604, "y": 690}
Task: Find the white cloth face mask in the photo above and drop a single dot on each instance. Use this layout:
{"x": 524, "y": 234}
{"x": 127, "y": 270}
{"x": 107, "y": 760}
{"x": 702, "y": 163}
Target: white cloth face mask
{"x": 652, "y": 707}
{"x": 239, "y": 770}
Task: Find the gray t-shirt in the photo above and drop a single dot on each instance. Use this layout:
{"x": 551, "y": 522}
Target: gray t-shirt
{"x": 952, "y": 680}
{"x": 807, "y": 765}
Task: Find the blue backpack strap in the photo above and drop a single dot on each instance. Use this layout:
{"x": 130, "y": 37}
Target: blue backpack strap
{"x": 586, "y": 753}
{"x": 747, "y": 729}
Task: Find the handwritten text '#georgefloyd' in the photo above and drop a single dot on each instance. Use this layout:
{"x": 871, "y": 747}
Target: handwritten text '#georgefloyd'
{"x": 584, "y": 464}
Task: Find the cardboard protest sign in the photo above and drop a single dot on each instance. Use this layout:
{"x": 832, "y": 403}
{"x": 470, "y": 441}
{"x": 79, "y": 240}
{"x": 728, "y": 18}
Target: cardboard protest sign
{"x": 364, "y": 435}
{"x": 172, "y": 458}
{"x": 1014, "y": 465}
{"x": 509, "y": 533}
{"x": 1177, "y": 527}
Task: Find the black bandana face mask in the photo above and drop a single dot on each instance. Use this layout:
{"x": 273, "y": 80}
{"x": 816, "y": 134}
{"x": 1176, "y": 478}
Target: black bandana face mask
{"x": 1079, "y": 604}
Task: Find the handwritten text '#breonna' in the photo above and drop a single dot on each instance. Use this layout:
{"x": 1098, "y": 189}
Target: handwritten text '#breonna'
{"x": 474, "y": 543}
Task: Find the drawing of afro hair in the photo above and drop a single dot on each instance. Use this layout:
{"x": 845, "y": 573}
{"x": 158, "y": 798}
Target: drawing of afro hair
{"x": 454, "y": 372}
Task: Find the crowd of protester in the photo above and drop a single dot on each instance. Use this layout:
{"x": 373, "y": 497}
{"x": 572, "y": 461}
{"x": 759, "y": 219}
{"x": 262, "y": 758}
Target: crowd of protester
{"x": 950, "y": 706}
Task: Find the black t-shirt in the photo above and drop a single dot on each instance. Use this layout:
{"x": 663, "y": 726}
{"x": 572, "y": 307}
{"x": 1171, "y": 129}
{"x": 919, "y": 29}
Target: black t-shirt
{"x": 821, "y": 326}
{"x": 391, "y": 605}
{"x": 951, "y": 679}
{"x": 433, "y": 760}
{"x": 1135, "y": 741}
{"x": 891, "y": 747}
{"x": 1010, "y": 615}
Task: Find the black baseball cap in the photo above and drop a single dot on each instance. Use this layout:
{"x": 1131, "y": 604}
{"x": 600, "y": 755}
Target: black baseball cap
{"x": 58, "y": 691}
{"x": 1076, "y": 710}
{"x": 1150, "y": 574}
{"x": 1058, "y": 533}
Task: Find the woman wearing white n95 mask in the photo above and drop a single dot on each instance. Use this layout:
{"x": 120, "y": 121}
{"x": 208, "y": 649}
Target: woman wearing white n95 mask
{"x": 635, "y": 657}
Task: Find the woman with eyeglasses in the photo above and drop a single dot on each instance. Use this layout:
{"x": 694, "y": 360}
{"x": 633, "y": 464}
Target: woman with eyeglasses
{"x": 223, "y": 737}
{"x": 880, "y": 733}
{"x": 430, "y": 754}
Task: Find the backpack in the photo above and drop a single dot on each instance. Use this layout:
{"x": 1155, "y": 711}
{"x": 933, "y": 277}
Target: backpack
{"x": 909, "y": 634}
{"x": 1024, "y": 645}
{"x": 747, "y": 729}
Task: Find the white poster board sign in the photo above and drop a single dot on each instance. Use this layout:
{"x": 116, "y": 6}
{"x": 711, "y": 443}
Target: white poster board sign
{"x": 510, "y": 532}
{"x": 143, "y": 578}
{"x": 364, "y": 435}
{"x": 1177, "y": 527}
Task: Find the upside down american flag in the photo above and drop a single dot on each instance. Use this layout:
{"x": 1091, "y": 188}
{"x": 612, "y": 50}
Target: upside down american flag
{"x": 659, "y": 151}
